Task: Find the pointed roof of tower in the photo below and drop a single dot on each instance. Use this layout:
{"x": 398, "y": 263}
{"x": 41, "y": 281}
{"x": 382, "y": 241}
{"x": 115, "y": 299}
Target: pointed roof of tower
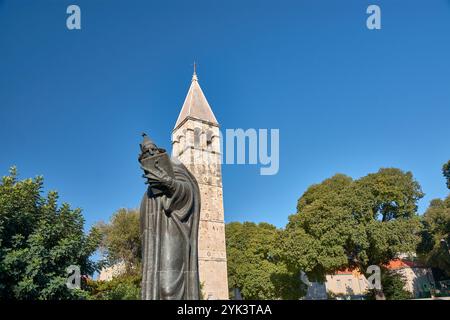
{"x": 195, "y": 105}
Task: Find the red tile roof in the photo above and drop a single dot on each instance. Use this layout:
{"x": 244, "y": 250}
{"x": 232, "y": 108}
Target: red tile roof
{"x": 391, "y": 265}
{"x": 400, "y": 264}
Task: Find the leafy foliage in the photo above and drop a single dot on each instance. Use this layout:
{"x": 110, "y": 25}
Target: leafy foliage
{"x": 393, "y": 284}
{"x": 121, "y": 287}
{"x": 38, "y": 241}
{"x": 446, "y": 172}
{"x": 353, "y": 223}
{"x": 434, "y": 248}
{"x": 121, "y": 239}
{"x": 120, "y": 245}
{"x": 253, "y": 264}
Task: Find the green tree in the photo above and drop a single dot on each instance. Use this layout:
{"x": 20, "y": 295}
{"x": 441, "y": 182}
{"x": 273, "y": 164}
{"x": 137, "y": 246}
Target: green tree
{"x": 316, "y": 238}
{"x": 38, "y": 240}
{"x": 122, "y": 287}
{"x": 253, "y": 264}
{"x": 434, "y": 249}
{"x": 446, "y": 172}
{"x": 120, "y": 244}
{"x": 343, "y": 223}
{"x": 393, "y": 284}
{"x": 121, "y": 240}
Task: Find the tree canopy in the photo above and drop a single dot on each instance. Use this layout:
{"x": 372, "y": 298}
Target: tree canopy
{"x": 253, "y": 264}
{"x": 393, "y": 284}
{"x": 121, "y": 239}
{"x": 343, "y": 222}
{"x": 122, "y": 287}
{"x": 38, "y": 240}
{"x": 446, "y": 172}
{"x": 434, "y": 248}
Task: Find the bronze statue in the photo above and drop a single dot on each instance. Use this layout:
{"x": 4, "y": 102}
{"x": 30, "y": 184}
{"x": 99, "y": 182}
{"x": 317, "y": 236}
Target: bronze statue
{"x": 170, "y": 213}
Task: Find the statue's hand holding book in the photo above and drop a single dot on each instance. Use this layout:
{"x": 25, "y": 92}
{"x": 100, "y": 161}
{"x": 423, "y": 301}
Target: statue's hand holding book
{"x": 157, "y": 167}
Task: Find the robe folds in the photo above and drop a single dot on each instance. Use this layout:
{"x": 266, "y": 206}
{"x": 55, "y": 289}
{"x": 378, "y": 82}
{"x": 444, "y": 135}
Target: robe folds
{"x": 169, "y": 233}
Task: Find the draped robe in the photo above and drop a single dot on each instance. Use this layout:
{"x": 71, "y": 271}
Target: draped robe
{"x": 169, "y": 230}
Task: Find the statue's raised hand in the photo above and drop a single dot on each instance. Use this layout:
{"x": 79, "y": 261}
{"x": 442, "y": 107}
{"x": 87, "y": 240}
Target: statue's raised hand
{"x": 158, "y": 178}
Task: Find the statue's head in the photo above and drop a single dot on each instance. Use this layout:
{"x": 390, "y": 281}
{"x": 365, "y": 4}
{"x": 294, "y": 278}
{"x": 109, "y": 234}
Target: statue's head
{"x": 148, "y": 147}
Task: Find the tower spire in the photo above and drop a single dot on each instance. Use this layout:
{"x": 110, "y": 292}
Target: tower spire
{"x": 194, "y": 76}
{"x": 195, "y": 105}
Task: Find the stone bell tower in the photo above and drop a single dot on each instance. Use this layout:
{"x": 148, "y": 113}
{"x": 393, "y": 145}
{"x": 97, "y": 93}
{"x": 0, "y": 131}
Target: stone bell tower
{"x": 196, "y": 143}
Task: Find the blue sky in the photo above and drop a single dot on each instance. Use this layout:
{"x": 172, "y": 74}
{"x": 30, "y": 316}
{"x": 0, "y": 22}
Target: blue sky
{"x": 346, "y": 99}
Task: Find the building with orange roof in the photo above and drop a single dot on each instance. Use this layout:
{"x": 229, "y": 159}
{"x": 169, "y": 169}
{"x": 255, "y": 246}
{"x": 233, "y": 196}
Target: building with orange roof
{"x": 419, "y": 279}
{"x": 352, "y": 283}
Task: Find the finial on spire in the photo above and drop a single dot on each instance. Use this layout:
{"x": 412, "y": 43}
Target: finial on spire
{"x": 194, "y": 76}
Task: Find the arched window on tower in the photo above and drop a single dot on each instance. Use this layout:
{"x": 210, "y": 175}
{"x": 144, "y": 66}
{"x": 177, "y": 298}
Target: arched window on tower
{"x": 209, "y": 137}
{"x": 197, "y": 133}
